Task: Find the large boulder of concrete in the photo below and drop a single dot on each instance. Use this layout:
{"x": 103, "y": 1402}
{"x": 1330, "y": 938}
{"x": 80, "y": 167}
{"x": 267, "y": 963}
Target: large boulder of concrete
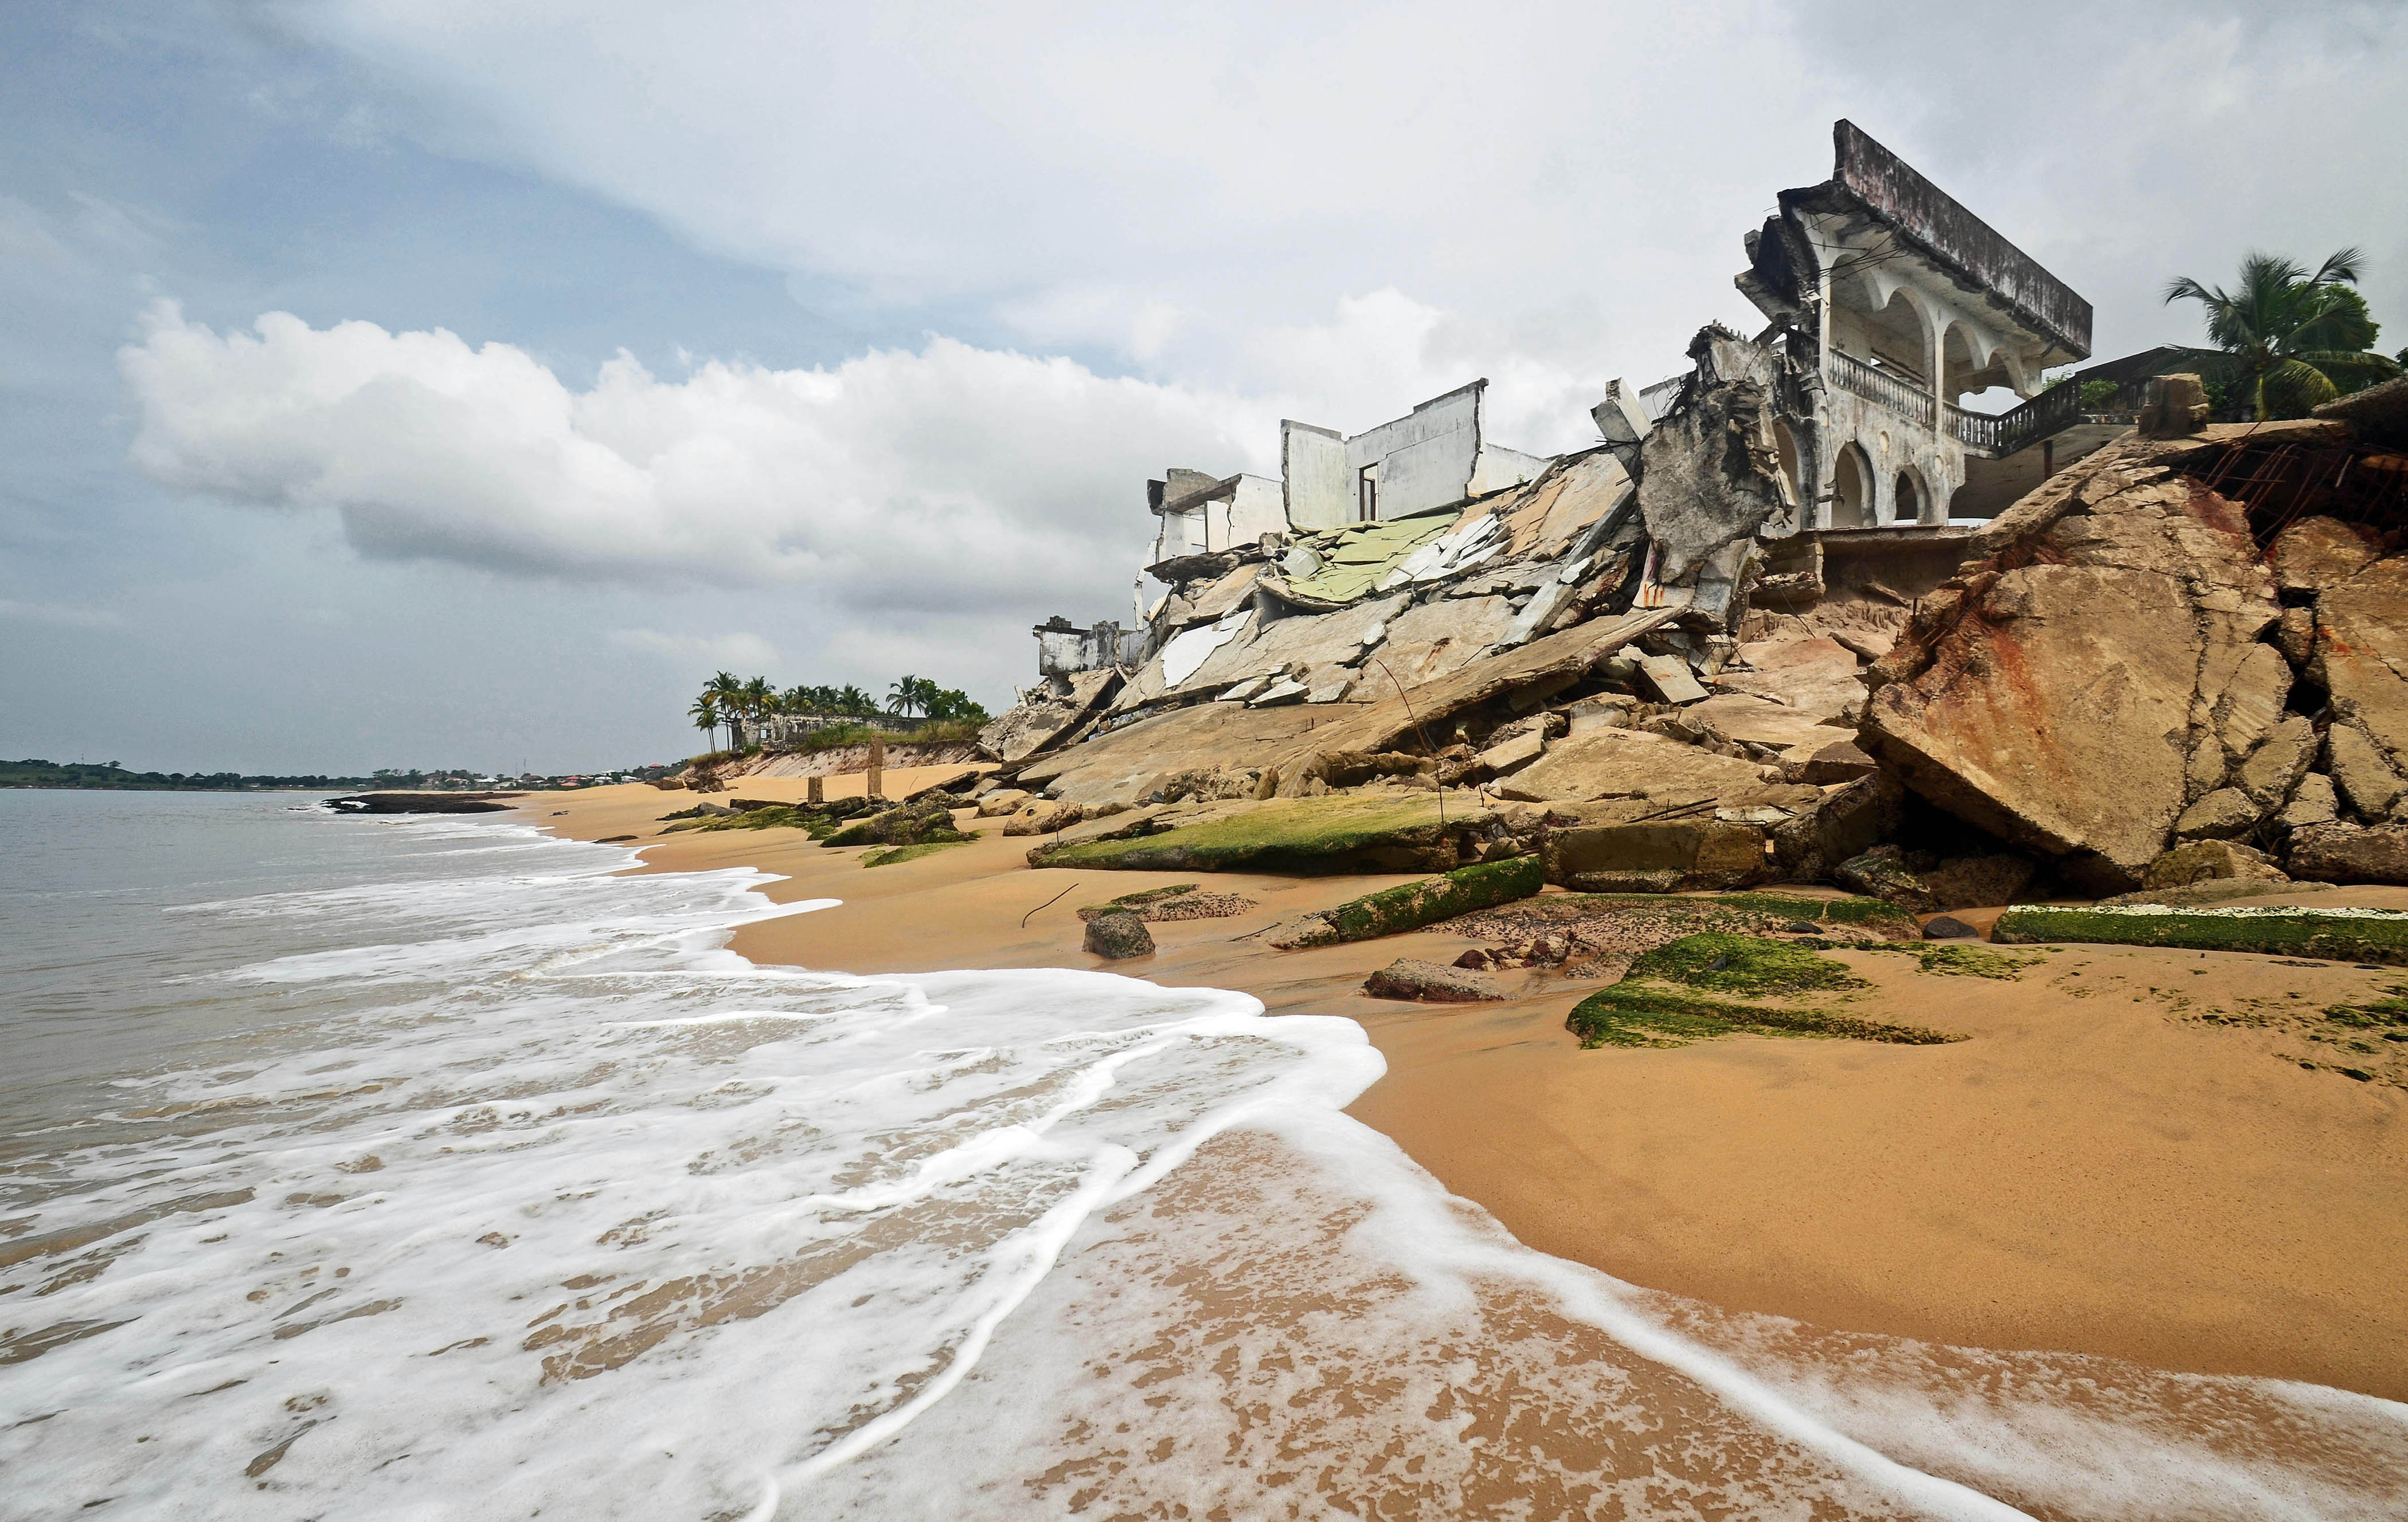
{"x": 2094, "y": 674}
{"x": 2359, "y": 656}
{"x": 1609, "y": 762}
{"x": 1674, "y": 855}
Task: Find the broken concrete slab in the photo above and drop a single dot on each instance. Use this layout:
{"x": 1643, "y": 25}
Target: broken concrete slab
{"x": 1757, "y": 722}
{"x": 1428, "y": 982}
{"x": 1676, "y": 856}
{"x": 1307, "y": 837}
{"x": 2319, "y": 552}
{"x": 1124, "y": 764}
{"x": 2222, "y": 815}
{"x": 1514, "y": 754}
{"x": 2205, "y": 861}
{"x": 2342, "y": 852}
{"x": 2133, "y": 588}
{"x": 1390, "y": 721}
{"x": 2361, "y": 653}
{"x": 1605, "y": 762}
{"x": 1436, "y": 639}
{"x": 1840, "y": 761}
{"x": 1410, "y": 906}
{"x": 1709, "y": 475}
{"x": 1669, "y": 676}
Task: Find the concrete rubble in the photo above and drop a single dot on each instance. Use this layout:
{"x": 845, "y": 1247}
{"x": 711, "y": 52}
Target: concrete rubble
{"x": 1747, "y": 637}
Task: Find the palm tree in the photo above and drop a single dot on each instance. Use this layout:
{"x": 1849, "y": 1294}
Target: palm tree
{"x": 2292, "y": 338}
{"x": 725, "y": 691}
{"x": 852, "y": 699}
{"x": 704, "y": 715}
{"x": 904, "y": 697}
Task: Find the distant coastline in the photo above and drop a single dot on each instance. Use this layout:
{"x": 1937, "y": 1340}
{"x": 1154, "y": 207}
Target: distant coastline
{"x": 109, "y": 777}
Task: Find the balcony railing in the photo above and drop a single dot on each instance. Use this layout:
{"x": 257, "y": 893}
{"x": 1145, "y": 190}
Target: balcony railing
{"x": 1900, "y": 395}
{"x": 2049, "y": 413}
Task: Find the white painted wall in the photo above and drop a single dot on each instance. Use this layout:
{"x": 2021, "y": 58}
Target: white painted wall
{"x": 1499, "y": 468}
{"x": 1319, "y": 489}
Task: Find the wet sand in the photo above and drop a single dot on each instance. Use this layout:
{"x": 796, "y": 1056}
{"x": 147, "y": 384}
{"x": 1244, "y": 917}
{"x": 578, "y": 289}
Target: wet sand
{"x": 2097, "y": 1169}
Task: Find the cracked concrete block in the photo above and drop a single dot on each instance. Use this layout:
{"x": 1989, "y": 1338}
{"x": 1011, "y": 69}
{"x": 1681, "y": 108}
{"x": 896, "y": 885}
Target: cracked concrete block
{"x": 1669, "y": 676}
{"x": 2222, "y": 814}
{"x": 2361, "y": 770}
{"x": 1516, "y": 752}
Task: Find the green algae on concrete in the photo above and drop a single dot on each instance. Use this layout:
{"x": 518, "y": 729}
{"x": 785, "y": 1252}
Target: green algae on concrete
{"x": 1409, "y": 906}
{"x": 1736, "y": 912}
{"x": 2342, "y": 935}
{"x": 1306, "y": 837}
{"x": 1138, "y": 900}
{"x": 921, "y": 824}
{"x": 912, "y": 852}
{"x": 1949, "y": 960}
{"x": 1716, "y": 984}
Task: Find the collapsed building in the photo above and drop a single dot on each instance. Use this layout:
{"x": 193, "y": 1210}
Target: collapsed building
{"x": 1799, "y": 614}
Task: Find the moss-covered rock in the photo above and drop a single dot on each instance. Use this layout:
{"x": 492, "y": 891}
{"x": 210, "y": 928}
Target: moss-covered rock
{"x": 2348, "y": 935}
{"x": 1306, "y": 837}
{"x": 912, "y": 852}
{"x": 1166, "y": 906}
{"x": 929, "y": 821}
{"x": 1716, "y": 983}
{"x": 1411, "y": 905}
{"x": 1687, "y": 913}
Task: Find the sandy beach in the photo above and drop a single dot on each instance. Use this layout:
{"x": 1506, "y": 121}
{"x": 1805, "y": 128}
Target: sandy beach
{"x": 2101, "y": 1168}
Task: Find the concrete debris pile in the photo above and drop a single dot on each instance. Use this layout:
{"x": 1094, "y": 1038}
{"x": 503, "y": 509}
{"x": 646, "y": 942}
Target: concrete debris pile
{"x": 2195, "y": 638}
{"x": 1746, "y": 639}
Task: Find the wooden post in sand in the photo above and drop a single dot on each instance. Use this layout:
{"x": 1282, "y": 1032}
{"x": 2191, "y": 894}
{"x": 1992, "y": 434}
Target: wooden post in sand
{"x": 816, "y": 792}
{"x": 877, "y": 765}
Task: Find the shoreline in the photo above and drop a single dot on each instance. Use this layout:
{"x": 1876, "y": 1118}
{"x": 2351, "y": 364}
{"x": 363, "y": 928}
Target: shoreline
{"x": 2096, "y": 1171}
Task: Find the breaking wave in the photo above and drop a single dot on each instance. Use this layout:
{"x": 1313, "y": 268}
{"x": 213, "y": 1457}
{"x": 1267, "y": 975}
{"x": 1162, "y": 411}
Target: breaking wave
{"x": 562, "y": 1208}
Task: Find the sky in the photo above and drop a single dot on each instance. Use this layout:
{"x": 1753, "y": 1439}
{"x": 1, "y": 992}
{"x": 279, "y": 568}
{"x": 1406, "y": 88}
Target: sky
{"x": 450, "y": 383}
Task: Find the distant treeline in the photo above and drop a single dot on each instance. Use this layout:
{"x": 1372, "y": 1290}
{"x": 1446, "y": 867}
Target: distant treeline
{"x": 728, "y": 699}
{"x": 109, "y": 774}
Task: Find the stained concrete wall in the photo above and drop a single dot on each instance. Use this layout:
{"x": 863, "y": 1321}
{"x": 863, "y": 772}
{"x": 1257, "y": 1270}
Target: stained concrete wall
{"x": 1499, "y": 468}
{"x": 1320, "y": 494}
{"x": 1426, "y": 458}
{"x": 1892, "y": 443}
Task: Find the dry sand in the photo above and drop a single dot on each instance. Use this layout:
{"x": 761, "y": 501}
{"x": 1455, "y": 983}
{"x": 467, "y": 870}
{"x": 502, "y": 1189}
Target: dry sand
{"x": 2097, "y": 1169}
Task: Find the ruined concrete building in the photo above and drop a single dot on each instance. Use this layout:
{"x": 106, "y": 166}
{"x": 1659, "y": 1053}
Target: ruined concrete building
{"x": 1890, "y": 306}
{"x": 1891, "y": 303}
{"x": 1799, "y": 613}
{"x": 1433, "y": 457}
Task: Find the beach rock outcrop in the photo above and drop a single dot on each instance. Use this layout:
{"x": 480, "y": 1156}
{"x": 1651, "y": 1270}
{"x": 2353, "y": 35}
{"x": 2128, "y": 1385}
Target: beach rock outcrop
{"x": 2344, "y": 853}
{"x": 1119, "y": 936}
{"x": 2094, "y": 674}
{"x": 2210, "y": 861}
{"x": 1431, "y": 983}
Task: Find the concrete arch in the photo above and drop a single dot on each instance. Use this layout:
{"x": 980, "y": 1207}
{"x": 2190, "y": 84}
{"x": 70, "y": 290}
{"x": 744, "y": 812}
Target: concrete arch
{"x": 1855, "y": 489}
{"x": 1906, "y": 498}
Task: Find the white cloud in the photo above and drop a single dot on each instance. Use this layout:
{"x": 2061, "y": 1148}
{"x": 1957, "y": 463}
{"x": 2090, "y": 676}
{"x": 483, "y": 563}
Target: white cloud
{"x": 948, "y": 481}
{"x": 1085, "y": 170}
{"x": 746, "y": 653}
{"x": 60, "y": 615}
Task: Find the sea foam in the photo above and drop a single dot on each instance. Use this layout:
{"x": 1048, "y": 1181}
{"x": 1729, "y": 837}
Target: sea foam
{"x": 569, "y": 1211}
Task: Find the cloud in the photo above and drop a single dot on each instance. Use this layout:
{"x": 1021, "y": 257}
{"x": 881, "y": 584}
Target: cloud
{"x": 948, "y": 481}
{"x": 60, "y": 615}
{"x": 1168, "y": 180}
{"x": 747, "y": 653}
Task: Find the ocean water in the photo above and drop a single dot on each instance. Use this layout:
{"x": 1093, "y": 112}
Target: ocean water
{"x": 431, "y": 1169}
